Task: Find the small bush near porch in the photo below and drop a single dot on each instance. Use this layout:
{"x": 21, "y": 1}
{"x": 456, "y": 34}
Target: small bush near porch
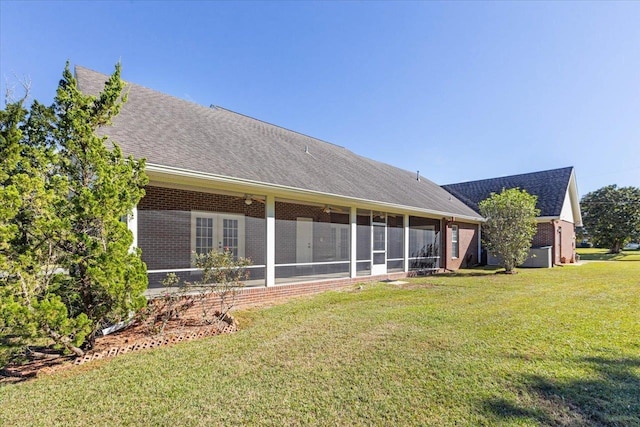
{"x": 548, "y": 346}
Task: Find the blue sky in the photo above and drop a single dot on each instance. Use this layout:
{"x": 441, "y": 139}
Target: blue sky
{"x": 460, "y": 91}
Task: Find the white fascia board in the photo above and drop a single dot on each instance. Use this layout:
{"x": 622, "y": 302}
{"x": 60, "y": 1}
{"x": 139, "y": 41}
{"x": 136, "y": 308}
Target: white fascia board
{"x": 172, "y": 175}
{"x": 575, "y": 199}
{"x": 541, "y": 219}
{"x": 566, "y": 214}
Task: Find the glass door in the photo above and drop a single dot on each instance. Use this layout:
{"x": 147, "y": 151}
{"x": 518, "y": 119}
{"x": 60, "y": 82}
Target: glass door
{"x": 217, "y": 231}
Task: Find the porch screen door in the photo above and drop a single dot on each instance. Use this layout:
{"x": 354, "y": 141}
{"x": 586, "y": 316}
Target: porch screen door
{"x": 379, "y": 246}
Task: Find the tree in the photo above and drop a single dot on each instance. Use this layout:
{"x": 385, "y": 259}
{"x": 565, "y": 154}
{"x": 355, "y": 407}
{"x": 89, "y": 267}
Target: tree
{"x": 29, "y": 192}
{"x": 66, "y": 267}
{"x": 611, "y": 216}
{"x": 106, "y": 278}
{"x": 510, "y": 225}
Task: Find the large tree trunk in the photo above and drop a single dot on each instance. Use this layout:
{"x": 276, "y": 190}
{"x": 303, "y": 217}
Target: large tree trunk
{"x": 65, "y": 341}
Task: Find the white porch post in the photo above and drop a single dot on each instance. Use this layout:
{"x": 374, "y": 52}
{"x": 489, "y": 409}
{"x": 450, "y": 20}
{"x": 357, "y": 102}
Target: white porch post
{"x": 406, "y": 243}
{"x": 132, "y": 225}
{"x": 270, "y": 274}
{"x": 353, "y": 253}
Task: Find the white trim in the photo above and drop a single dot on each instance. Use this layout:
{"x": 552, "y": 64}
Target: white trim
{"x": 246, "y": 185}
{"x": 542, "y": 219}
{"x": 378, "y": 269}
{"x": 132, "y": 225}
{"x": 294, "y": 264}
{"x": 182, "y": 270}
{"x": 575, "y": 199}
{"x": 270, "y": 213}
{"x": 353, "y": 234}
{"x": 406, "y": 243}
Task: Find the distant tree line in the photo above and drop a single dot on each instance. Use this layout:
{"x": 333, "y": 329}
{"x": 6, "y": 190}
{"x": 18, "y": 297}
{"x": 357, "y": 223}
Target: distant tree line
{"x": 611, "y": 216}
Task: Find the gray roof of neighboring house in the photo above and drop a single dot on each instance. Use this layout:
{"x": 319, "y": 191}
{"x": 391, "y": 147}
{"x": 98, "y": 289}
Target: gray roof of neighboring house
{"x": 550, "y": 186}
{"x": 172, "y": 132}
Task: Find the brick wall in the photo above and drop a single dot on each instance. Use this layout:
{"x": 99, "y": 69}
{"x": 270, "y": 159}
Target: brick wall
{"x": 164, "y": 225}
{"x": 247, "y": 297}
{"x": 566, "y": 241}
{"x": 467, "y": 246}
{"x": 164, "y": 229}
{"x": 545, "y": 235}
{"x": 563, "y": 243}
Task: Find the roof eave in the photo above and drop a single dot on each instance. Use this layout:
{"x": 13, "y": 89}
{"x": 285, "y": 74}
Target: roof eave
{"x": 575, "y": 199}
{"x": 168, "y": 173}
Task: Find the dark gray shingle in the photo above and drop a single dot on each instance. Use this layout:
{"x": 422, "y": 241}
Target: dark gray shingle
{"x": 172, "y": 132}
{"x": 550, "y": 186}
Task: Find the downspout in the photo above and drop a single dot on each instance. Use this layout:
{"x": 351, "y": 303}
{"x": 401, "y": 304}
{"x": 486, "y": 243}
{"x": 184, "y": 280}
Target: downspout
{"x": 555, "y": 243}
{"x": 560, "y": 242}
{"x": 445, "y": 238}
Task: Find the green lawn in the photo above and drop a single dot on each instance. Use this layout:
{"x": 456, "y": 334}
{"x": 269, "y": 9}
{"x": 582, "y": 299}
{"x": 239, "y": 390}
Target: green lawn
{"x": 544, "y": 347}
{"x": 597, "y": 254}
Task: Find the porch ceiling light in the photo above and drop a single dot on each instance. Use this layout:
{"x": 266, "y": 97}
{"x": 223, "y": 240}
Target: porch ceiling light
{"x": 327, "y": 209}
{"x": 248, "y": 200}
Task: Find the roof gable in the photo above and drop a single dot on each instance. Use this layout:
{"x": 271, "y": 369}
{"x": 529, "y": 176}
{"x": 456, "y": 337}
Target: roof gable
{"x": 550, "y": 186}
{"x": 175, "y": 133}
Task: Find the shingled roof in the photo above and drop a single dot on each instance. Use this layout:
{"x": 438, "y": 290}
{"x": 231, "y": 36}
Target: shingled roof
{"x": 550, "y": 186}
{"x": 175, "y": 133}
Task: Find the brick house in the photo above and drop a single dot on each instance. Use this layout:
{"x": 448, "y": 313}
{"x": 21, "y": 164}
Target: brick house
{"x": 303, "y": 210}
{"x": 558, "y": 202}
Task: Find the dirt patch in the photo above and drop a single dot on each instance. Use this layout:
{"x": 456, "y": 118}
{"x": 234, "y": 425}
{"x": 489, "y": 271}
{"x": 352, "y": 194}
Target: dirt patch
{"x": 416, "y": 285}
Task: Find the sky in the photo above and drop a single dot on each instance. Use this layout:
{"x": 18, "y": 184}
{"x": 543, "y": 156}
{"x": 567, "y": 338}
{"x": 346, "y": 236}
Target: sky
{"x": 457, "y": 90}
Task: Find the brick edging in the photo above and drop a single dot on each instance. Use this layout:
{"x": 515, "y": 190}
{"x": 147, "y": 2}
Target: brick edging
{"x": 252, "y": 296}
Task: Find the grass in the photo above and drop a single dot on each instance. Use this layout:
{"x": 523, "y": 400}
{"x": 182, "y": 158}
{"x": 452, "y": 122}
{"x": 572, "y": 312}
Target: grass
{"x": 547, "y": 346}
{"x": 598, "y": 254}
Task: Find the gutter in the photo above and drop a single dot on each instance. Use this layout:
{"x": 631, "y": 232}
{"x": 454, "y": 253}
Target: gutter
{"x": 283, "y": 190}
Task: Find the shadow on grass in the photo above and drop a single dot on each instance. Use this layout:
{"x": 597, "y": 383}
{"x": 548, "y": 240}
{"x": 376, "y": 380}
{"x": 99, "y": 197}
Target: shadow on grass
{"x": 612, "y": 399}
{"x": 472, "y": 272}
{"x": 628, "y": 255}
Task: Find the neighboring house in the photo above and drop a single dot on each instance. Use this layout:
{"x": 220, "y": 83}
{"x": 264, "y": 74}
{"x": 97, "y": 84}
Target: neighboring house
{"x": 303, "y": 210}
{"x": 558, "y": 202}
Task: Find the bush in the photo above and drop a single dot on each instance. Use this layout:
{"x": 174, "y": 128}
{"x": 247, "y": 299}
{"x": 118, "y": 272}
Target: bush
{"x": 222, "y": 276}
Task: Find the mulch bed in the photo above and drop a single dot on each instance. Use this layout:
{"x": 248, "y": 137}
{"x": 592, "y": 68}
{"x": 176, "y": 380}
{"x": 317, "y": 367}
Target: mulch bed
{"x": 136, "y": 337}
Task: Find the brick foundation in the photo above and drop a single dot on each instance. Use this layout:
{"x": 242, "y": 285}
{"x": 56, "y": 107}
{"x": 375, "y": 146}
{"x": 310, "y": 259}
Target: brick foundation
{"x": 252, "y": 296}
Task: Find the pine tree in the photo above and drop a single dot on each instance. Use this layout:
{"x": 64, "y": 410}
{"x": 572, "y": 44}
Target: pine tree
{"x": 66, "y": 263}
{"x": 29, "y": 260}
{"x": 106, "y": 278}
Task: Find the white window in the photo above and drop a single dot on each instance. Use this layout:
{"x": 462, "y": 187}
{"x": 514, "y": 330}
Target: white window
{"x": 217, "y": 231}
{"x": 455, "y": 249}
